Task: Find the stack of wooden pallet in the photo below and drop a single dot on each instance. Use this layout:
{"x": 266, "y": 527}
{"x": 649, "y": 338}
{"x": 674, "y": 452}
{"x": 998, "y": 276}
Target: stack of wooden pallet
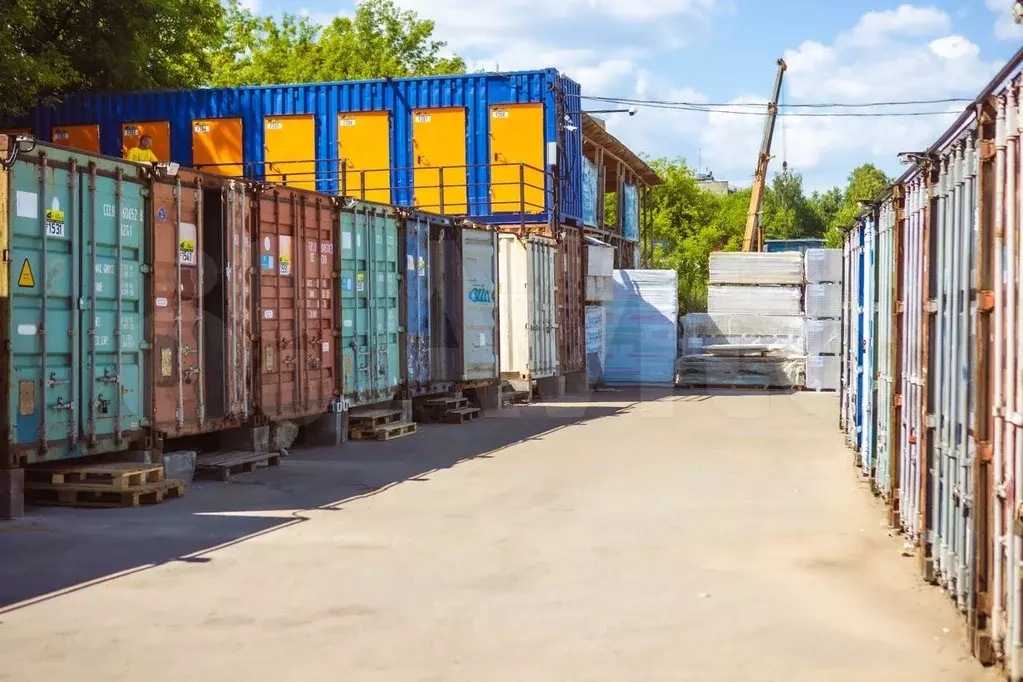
{"x": 223, "y": 466}
{"x": 99, "y": 485}
{"x": 446, "y": 410}
{"x": 377, "y": 424}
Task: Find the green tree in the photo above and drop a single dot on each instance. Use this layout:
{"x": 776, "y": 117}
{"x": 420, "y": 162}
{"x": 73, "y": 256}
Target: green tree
{"x": 59, "y": 46}
{"x": 380, "y": 41}
{"x": 865, "y": 183}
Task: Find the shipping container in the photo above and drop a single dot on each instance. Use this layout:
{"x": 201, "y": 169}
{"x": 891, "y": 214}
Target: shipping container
{"x": 571, "y": 286}
{"x": 885, "y": 339}
{"x": 296, "y": 304}
{"x": 596, "y": 343}
{"x": 201, "y": 303}
{"x": 416, "y": 302}
{"x": 799, "y": 245}
{"x": 368, "y": 235}
{"x": 482, "y": 144}
{"x": 528, "y": 295}
{"x": 464, "y": 305}
{"x": 74, "y": 295}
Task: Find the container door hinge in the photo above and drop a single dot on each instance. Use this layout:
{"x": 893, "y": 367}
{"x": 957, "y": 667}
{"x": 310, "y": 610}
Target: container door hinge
{"x": 932, "y": 305}
{"x": 146, "y": 268}
{"x": 986, "y": 452}
{"x": 985, "y": 301}
{"x": 7, "y": 256}
{"x": 145, "y": 345}
{"x": 930, "y": 421}
{"x": 145, "y": 423}
{"x": 898, "y": 400}
{"x": 900, "y": 308}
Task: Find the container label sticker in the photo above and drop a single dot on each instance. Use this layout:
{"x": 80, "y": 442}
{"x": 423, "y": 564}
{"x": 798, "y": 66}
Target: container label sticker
{"x": 346, "y": 284}
{"x": 284, "y": 255}
{"x": 55, "y": 220}
{"x": 325, "y": 346}
{"x": 483, "y": 339}
{"x": 360, "y": 280}
{"x": 266, "y": 243}
{"x": 500, "y": 113}
{"x": 28, "y": 205}
{"x": 26, "y": 279}
{"x": 411, "y": 263}
{"x": 60, "y": 135}
{"x": 162, "y": 213}
{"x": 422, "y": 267}
{"x": 186, "y": 244}
{"x": 346, "y": 240}
{"x": 201, "y": 128}
{"x": 131, "y": 131}
{"x": 347, "y": 123}
{"x": 161, "y": 303}
{"x": 268, "y": 314}
{"x": 347, "y": 324}
{"x": 274, "y": 124}
{"x": 26, "y": 398}
{"x": 423, "y": 118}
{"x": 166, "y": 362}
{"x": 266, "y": 262}
{"x": 27, "y": 330}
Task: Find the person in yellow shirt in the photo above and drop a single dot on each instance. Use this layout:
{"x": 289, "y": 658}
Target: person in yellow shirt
{"x": 144, "y": 152}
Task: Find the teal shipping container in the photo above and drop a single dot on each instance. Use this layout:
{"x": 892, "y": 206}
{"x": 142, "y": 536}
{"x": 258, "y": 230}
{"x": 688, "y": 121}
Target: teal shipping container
{"x": 370, "y": 305}
{"x": 73, "y": 229}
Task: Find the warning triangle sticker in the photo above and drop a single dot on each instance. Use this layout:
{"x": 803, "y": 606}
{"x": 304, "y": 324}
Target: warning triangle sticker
{"x": 26, "y": 278}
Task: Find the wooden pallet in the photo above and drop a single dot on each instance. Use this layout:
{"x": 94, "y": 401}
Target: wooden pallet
{"x": 223, "y": 466}
{"x": 113, "y": 475}
{"x": 101, "y": 495}
{"x": 385, "y": 432}
{"x": 444, "y": 404}
{"x": 369, "y": 419}
{"x": 462, "y": 415}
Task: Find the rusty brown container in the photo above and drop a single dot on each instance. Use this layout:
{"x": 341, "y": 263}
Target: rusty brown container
{"x": 201, "y": 303}
{"x": 571, "y": 285}
{"x": 295, "y": 304}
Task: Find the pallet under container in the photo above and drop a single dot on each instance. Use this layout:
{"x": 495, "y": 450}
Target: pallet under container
{"x": 73, "y": 285}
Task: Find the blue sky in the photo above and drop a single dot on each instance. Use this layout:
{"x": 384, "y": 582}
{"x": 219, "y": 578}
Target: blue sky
{"x": 724, "y": 51}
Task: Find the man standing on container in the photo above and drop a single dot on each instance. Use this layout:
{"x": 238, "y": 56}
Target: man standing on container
{"x": 143, "y": 153}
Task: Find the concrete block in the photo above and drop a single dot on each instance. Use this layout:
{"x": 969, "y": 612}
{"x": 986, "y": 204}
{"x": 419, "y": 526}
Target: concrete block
{"x": 179, "y": 466}
{"x": 405, "y": 406}
{"x": 487, "y": 398}
{"x": 551, "y": 388}
{"x": 330, "y": 430}
{"x": 577, "y": 383}
{"x": 283, "y": 435}
{"x": 12, "y": 493}
{"x": 250, "y": 438}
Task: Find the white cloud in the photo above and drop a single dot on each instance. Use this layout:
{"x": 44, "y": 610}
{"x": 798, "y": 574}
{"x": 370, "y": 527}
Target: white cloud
{"x": 1005, "y": 29}
{"x": 906, "y": 20}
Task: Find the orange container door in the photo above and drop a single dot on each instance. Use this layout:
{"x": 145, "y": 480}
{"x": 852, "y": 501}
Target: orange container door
{"x": 516, "y": 157}
{"x": 131, "y": 133}
{"x": 217, "y": 145}
{"x": 364, "y": 144}
{"x": 85, "y": 138}
{"x": 290, "y": 147}
{"x": 438, "y": 146}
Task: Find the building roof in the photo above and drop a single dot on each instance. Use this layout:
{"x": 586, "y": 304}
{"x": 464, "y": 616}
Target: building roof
{"x": 593, "y": 131}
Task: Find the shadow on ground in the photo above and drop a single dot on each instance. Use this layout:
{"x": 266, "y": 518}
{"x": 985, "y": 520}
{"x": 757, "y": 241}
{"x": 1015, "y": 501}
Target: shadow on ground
{"x": 54, "y": 550}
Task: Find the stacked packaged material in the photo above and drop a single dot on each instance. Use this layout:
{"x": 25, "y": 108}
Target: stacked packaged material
{"x": 754, "y": 300}
{"x": 823, "y": 318}
{"x": 756, "y": 268}
{"x": 704, "y": 332}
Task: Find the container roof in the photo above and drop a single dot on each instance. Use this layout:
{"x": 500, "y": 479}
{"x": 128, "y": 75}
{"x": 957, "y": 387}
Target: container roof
{"x": 593, "y": 131}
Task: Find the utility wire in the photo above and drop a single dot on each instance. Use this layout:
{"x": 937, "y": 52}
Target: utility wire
{"x": 718, "y": 109}
{"x": 812, "y": 105}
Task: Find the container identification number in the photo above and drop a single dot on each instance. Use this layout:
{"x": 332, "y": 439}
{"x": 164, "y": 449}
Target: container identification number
{"x": 131, "y": 132}
{"x": 500, "y": 113}
{"x": 274, "y": 125}
{"x": 423, "y": 118}
{"x": 347, "y": 123}
{"x": 201, "y": 128}
{"x": 55, "y": 223}
{"x": 60, "y": 135}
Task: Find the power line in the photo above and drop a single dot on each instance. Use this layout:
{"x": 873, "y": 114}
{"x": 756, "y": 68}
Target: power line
{"x": 717, "y": 109}
{"x": 811, "y": 105}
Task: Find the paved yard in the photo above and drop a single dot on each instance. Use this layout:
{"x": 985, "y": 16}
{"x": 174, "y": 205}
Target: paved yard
{"x": 722, "y": 538}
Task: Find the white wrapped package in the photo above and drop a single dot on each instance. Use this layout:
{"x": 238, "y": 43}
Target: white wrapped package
{"x": 785, "y": 334}
{"x": 823, "y": 372}
{"x": 823, "y": 265}
{"x": 759, "y": 300}
{"x": 600, "y": 260}
{"x": 823, "y": 337}
{"x": 711, "y": 371}
{"x": 756, "y": 268}
{"x": 600, "y": 289}
{"x": 823, "y": 300}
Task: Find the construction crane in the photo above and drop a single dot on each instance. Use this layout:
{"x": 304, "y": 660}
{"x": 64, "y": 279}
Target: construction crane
{"x": 753, "y": 239}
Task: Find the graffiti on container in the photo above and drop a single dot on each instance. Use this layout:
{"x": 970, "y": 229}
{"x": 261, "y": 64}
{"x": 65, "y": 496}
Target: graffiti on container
{"x": 162, "y": 213}
{"x": 480, "y": 295}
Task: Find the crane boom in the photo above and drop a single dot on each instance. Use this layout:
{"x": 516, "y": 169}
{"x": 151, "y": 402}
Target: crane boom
{"x": 754, "y": 233}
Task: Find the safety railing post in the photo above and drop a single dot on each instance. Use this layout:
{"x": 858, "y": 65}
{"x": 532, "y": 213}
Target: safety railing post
{"x": 442, "y": 190}
{"x": 522, "y": 196}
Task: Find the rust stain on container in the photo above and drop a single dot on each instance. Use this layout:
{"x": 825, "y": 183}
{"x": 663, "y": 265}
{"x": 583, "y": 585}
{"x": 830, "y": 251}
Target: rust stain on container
{"x": 297, "y": 332}
{"x": 202, "y": 225}
{"x": 571, "y": 284}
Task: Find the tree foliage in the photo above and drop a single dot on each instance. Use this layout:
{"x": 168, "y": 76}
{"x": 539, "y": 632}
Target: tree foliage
{"x": 59, "y": 46}
{"x": 379, "y": 41}
{"x": 690, "y": 223}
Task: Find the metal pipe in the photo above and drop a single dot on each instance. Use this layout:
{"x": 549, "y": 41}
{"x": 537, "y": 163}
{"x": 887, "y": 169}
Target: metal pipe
{"x": 200, "y": 317}
{"x": 119, "y": 201}
{"x": 93, "y": 318}
{"x": 905, "y": 462}
{"x": 229, "y": 237}
{"x": 1010, "y": 357}
{"x": 74, "y": 376}
{"x": 1014, "y": 161}
{"x": 177, "y": 304}
{"x": 968, "y": 254}
{"x": 43, "y": 164}
{"x": 942, "y": 341}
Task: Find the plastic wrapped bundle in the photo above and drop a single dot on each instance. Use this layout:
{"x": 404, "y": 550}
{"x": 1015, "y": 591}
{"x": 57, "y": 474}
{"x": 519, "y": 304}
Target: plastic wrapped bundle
{"x": 784, "y": 334}
{"x": 823, "y": 337}
{"x": 823, "y": 372}
{"x": 824, "y": 265}
{"x": 596, "y": 346}
{"x": 823, "y": 300}
{"x": 756, "y": 268}
{"x": 710, "y": 371}
{"x": 761, "y": 300}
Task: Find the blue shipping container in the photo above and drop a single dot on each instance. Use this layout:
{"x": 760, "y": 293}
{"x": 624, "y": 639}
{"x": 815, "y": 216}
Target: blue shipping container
{"x": 787, "y": 245}
{"x": 74, "y": 293}
{"x": 476, "y": 93}
{"x": 416, "y": 302}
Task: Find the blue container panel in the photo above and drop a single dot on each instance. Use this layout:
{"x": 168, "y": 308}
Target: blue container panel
{"x": 476, "y": 92}
{"x": 76, "y": 244}
{"x": 417, "y": 304}
{"x": 790, "y": 245}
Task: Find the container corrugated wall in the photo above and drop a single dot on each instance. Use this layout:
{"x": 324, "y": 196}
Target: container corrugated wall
{"x": 571, "y": 285}
{"x": 201, "y": 303}
{"x": 242, "y": 123}
{"x": 416, "y": 304}
{"x": 885, "y": 340}
{"x": 528, "y": 306}
{"x": 75, "y": 308}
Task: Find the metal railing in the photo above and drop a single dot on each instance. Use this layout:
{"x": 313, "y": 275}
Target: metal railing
{"x": 512, "y": 190}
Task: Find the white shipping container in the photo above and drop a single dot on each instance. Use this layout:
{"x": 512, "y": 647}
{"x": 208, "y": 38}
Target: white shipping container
{"x": 760, "y": 300}
{"x": 823, "y": 265}
{"x": 756, "y": 268}
{"x": 528, "y": 307}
